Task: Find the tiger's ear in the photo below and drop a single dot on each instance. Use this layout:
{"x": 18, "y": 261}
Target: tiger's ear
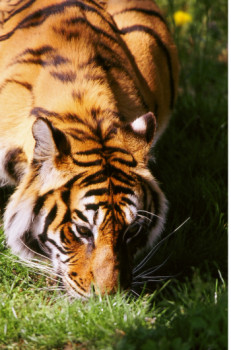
{"x": 49, "y": 141}
{"x": 142, "y": 129}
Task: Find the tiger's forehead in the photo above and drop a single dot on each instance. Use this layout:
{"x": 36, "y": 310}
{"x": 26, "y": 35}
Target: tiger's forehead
{"x": 106, "y": 198}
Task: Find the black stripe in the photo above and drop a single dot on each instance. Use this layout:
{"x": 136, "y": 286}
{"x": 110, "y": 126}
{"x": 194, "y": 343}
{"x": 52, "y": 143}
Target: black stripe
{"x": 111, "y": 133}
{"x": 85, "y": 136}
{"x": 128, "y": 201}
{"x": 72, "y": 134}
{"x": 81, "y": 287}
{"x": 81, "y": 215}
{"x": 107, "y": 149}
{"x": 69, "y": 259}
{"x": 96, "y": 180}
{"x": 145, "y": 11}
{"x": 95, "y": 3}
{"x": 87, "y": 164}
{"x": 77, "y": 133}
{"x": 111, "y": 149}
{"x": 24, "y": 84}
{"x": 98, "y": 30}
{"x": 49, "y": 219}
{"x": 121, "y": 189}
{"x": 70, "y": 183}
{"x": 39, "y": 16}
{"x": 37, "y": 52}
{"x": 114, "y": 170}
{"x": 97, "y": 192}
{"x": 65, "y": 77}
{"x": 41, "y": 112}
{"x": 63, "y": 237}
{"x": 90, "y": 151}
{"x": 109, "y": 63}
{"x": 36, "y": 61}
{"x": 131, "y": 164}
{"x": 65, "y": 195}
{"x": 160, "y": 43}
{"x": 22, "y": 8}
{"x": 56, "y": 245}
{"x": 95, "y": 112}
{"x": 91, "y": 177}
{"x": 95, "y": 206}
{"x": 40, "y": 202}
{"x": 55, "y": 61}
{"x": 66, "y": 218}
{"x": 115, "y": 59}
{"x": 123, "y": 180}
{"x": 73, "y": 117}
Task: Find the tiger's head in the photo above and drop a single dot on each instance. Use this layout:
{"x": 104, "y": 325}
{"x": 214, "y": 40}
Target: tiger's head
{"x": 88, "y": 202}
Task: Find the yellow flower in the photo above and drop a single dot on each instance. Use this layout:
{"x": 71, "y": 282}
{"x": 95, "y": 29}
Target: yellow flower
{"x": 181, "y": 18}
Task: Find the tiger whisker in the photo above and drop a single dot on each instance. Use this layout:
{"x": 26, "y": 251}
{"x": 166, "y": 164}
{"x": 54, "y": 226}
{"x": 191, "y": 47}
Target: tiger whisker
{"x": 31, "y": 267}
{"x": 144, "y": 217}
{"x": 129, "y": 227}
{"x": 149, "y": 213}
{"x": 151, "y": 269}
{"x": 135, "y": 293}
{"x": 147, "y": 277}
{"x": 152, "y": 280}
{"x": 41, "y": 267}
{"x": 155, "y": 248}
{"x": 34, "y": 252}
{"x": 51, "y": 289}
{"x": 36, "y": 263}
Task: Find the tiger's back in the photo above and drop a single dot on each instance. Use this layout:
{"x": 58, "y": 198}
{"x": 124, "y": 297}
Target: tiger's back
{"x": 79, "y": 83}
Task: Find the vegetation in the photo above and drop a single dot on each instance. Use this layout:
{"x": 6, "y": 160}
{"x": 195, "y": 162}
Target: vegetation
{"x": 188, "y": 309}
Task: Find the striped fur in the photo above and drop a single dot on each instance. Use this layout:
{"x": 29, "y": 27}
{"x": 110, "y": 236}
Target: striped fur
{"x": 84, "y": 86}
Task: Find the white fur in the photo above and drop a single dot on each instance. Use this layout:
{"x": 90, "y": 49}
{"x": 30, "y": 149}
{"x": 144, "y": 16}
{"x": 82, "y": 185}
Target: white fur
{"x": 16, "y": 226}
{"x": 131, "y": 211}
{"x": 139, "y": 125}
{"x": 51, "y": 177}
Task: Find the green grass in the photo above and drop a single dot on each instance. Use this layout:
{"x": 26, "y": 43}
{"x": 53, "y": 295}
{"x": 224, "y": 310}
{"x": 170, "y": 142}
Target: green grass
{"x": 190, "y": 315}
{"x": 189, "y": 310}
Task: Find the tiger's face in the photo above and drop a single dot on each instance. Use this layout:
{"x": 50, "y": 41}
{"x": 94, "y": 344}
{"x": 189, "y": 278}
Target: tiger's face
{"x": 88, "y": 207}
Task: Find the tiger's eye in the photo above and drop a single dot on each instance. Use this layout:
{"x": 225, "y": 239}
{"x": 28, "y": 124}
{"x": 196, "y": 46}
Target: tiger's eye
{"x": 132, "y": 231}
{"x": 84, "y": 231}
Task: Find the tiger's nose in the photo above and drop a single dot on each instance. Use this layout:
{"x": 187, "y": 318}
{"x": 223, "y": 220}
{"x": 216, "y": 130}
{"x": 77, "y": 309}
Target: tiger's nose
{"x": 105, "y": 272}
{"x": 106, "y": 280}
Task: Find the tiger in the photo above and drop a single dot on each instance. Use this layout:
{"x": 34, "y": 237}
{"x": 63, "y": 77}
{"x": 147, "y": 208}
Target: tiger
{"x": 87, "y": 87}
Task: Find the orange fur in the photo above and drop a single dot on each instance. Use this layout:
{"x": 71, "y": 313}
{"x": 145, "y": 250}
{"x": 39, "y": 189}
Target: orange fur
{"x": 80, "y": 82}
